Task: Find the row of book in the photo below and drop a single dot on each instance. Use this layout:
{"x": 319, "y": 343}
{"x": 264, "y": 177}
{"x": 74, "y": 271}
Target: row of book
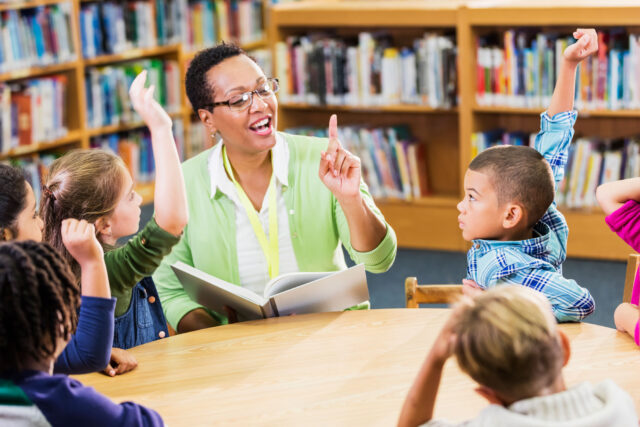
{"x": 107, "y": 90}
{"x": 368, "y": 70}
{"x": 520, "y": 68}
{"x": 36, "y": 37}
{"x": 110, "y": 27}
{"x": 592, "y": 162}
{"x": 135, "y": 149}
{"x": 201, "y": 23}
{"x": 32, "y": 111}
{"x": 199, "y": 138}
{"x": 393, "y": 163}
{"x": 34, "y": 171}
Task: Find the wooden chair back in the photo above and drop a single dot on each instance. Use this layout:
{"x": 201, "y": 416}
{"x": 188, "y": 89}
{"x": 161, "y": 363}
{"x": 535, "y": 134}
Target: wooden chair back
{"x": 429, "y": 294}
{"x": 633, "y": 262}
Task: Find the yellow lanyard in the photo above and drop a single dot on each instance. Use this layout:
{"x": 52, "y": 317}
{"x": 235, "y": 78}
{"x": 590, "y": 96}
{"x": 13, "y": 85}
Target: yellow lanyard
{"x": 270, "y": 248}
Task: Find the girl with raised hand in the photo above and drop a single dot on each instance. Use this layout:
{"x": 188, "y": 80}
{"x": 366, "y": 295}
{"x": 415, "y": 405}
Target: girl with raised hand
{"x": 95, "y": 185}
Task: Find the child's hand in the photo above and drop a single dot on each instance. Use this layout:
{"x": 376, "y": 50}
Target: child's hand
{"x": 586, "y": 45}
{"x": 470, "y": 288}
{"x": 443, "y": 346}
{"x": 79, "y": 237}
{"x": 120, "y": 363}
{"x": 142, "y": 100}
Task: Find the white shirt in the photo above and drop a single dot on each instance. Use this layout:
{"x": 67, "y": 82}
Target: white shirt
{"x": 252, "y": 263}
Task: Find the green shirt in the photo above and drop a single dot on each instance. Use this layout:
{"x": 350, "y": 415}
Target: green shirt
{"x": 138, "y": 258}
{"x": 316, "y": 223}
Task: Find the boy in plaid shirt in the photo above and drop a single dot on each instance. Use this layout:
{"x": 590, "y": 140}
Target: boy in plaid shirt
{"x": 508, "y": 213}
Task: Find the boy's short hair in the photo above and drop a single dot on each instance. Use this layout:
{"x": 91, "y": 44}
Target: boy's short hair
{"x": 519, "y": 174}
{"x": 507, "y": 341}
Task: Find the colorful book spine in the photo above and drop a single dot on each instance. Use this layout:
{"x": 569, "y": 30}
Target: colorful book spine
{"x": 394, "y": 165}
{"x": 107, "y": 90}
{"x": 44, "y": 99}
{"x": 520, "y": 68}
{"x": 333, "y": 71}
{"x": 36, "y": 37}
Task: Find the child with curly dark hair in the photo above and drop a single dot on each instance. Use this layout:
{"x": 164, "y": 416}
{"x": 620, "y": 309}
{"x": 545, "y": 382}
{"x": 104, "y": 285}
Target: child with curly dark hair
{"x": 89, "y": 349}
{"x": 39, "y": 298}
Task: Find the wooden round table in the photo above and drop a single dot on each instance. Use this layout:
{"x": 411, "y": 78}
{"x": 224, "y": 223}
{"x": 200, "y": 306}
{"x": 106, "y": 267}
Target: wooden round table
{"x": 347, "y": 368}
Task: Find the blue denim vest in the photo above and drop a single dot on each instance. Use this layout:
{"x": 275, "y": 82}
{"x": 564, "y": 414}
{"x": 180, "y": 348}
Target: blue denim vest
{"x": 144, "y": 321}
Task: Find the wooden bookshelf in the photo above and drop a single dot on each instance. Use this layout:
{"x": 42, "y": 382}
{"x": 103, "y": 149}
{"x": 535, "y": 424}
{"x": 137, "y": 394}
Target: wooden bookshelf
{"x": 80, "y": 133}
{"x": 432, "y": 222}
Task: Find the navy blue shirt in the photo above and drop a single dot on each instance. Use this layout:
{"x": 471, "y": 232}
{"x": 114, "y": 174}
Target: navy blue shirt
{"x": 64, "y": 401}
{"x": 89, "y": 349}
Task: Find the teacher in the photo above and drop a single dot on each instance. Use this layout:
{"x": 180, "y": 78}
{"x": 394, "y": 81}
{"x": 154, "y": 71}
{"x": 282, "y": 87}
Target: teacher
{"x": 263, "y": 203}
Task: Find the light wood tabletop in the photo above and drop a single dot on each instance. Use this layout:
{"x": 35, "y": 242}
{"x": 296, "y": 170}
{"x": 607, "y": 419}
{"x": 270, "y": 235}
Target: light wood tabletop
{"x": 347, "y": 368}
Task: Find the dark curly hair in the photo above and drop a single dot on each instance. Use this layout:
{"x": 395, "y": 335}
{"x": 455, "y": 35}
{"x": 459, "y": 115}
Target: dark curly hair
{"x": 13, "y": 196}
{"x": 39, "y": 297}
{"x": 198, "y": 89}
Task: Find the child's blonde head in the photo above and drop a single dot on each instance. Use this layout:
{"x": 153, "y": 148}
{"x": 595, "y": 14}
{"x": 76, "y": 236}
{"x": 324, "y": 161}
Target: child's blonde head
{"x": 82, "y": 184}
{"x": 507, "y": 341}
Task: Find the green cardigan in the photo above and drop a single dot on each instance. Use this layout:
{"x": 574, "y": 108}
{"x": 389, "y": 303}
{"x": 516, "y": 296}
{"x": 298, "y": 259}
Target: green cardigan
{"x": 316, "y": 223}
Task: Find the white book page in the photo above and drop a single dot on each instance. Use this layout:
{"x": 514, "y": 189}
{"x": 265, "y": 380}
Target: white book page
{"x": 291, "y": 280}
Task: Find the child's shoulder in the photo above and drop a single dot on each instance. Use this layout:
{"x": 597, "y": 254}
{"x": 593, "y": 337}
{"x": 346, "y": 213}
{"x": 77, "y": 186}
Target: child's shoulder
{"x": 499, "y": 261}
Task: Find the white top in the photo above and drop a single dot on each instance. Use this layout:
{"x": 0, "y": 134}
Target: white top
{"x": 585, "y": 405}
{"x": 252, "y": 264}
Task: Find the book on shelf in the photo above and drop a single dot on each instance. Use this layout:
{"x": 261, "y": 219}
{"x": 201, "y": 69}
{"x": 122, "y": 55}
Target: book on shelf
{"x": 35, "y": 170}
{"x": 107, "y": 90}
{"x": 393, "y": 163}
{"x": 135, "y": 149}
{"x": 592, "y": 162}
{"x": 291, "y": 293}
{"x": 199, "y": 138}
{"x": 36, "y": 36}
{"x": 520, "y": 68}
{"x": 110, "y": 28}
{"x": 370, "y": 70}
{"x": 32, "y": 111}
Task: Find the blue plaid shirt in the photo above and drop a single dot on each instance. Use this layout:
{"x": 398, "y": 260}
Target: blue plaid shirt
{"x": 537, "y": 262}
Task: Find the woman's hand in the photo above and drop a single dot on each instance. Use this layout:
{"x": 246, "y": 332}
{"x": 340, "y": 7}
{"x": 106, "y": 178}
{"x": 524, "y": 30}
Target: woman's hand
{"x": 339, "y": 170}
{"x": 120, "y": 363}
{"x": 148, "y": 108}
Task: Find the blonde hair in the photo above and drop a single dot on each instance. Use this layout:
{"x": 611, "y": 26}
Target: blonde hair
{"x": 507, "y": 341}
{"x": 82, "y": 184}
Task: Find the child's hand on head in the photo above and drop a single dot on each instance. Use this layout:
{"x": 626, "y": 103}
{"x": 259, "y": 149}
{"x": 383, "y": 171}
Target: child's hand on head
{"x": 443, "y": 346}
{"x": 149, "y": 109}
{"x": 79, "y": 237}
{"x": 586, "y": 45}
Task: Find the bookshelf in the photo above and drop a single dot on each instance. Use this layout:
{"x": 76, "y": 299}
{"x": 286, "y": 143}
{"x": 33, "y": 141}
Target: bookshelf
{"x": 431, "y": 222}
{"x": 79, "y": 132}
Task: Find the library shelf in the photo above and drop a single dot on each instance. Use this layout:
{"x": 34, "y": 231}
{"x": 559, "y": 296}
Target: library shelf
{"x": 72, "y": 137}
{"x": 399, "y": 108}
{"x": 38, "y": 71}
{"x": 17, "y": 5}
{"x": 187, "y": 56}
{"x": 123, "y": 127}
{"x": 137, "y": 53}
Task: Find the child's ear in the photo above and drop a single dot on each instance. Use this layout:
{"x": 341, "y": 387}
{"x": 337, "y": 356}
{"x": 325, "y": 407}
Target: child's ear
{"x": 566, "y": 346}
{"x": 513, "y": 215}
{"x": 103, "y": 227}
{"x": 7, "y": 235}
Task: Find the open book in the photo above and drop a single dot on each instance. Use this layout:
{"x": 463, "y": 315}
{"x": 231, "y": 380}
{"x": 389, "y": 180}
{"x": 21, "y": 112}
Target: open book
{"x": 289, "y": 293}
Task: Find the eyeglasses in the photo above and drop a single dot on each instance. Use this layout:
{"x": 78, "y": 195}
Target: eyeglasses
{"x": 244, "y": 100}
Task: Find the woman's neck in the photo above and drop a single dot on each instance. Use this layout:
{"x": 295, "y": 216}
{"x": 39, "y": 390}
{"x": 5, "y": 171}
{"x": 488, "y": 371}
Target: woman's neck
{"x": 250, "y": 168}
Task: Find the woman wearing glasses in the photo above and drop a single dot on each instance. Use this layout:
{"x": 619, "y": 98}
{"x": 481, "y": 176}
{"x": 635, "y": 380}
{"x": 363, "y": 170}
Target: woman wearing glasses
{"x": 264, "y": 203}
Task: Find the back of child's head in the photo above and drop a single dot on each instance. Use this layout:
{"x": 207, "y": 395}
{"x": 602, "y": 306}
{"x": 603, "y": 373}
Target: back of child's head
{"x": 82, "y": 184}
{"x": 38, "y": 301}
{"x": 507, "y": 341}
{"x": 519, "y": 174}
{"x": 13, "y": 195}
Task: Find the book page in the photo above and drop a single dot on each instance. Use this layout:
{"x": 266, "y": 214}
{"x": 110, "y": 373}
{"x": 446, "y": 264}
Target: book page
{"x": 291, "y": 280}
{"x": 334, "y": 292}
